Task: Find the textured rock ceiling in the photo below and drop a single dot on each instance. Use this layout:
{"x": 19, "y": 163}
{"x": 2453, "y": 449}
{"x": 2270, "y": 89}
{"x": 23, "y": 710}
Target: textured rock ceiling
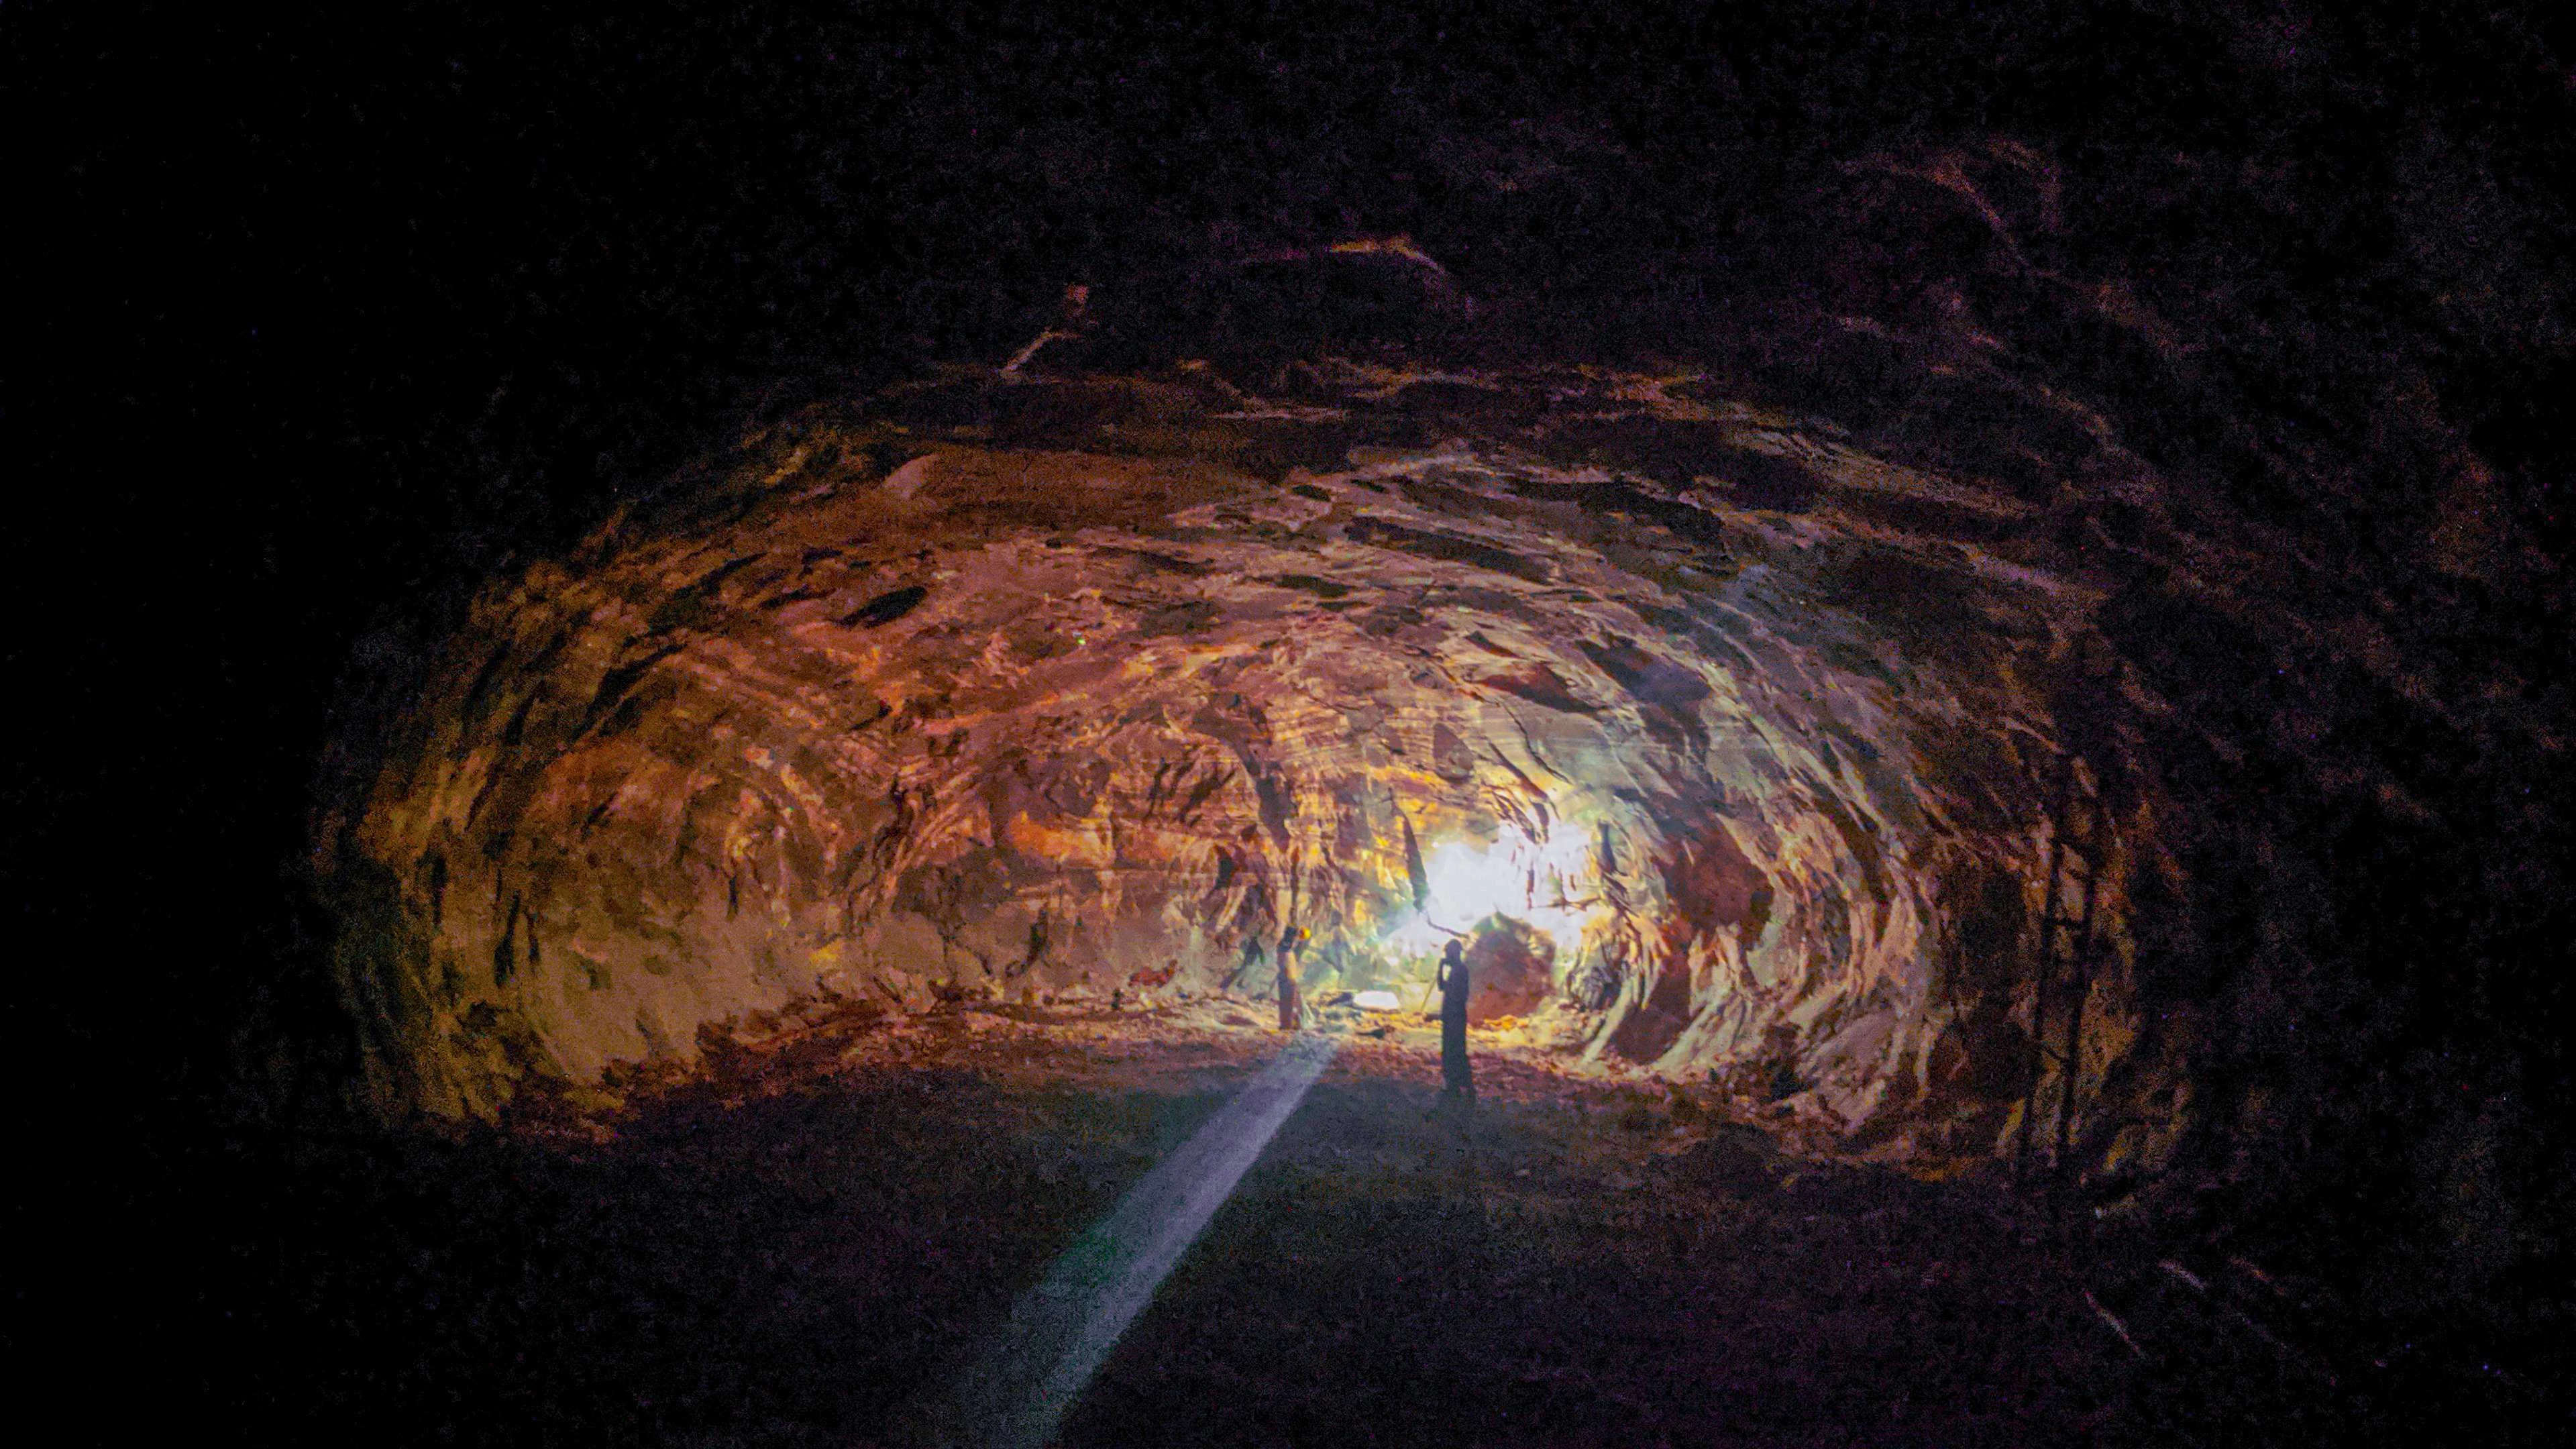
{"x": 1014, "y": 685}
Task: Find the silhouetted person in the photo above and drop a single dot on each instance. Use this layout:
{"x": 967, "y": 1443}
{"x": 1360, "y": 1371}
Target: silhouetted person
{"x": 1288, "y": 980}
{"x": 1456, "y": 1077}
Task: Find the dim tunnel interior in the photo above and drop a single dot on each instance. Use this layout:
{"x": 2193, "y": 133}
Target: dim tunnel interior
{"x": 1828, "y": 730}
{"x": 1965, "y": 614}
{"x": 1732, "y": 747}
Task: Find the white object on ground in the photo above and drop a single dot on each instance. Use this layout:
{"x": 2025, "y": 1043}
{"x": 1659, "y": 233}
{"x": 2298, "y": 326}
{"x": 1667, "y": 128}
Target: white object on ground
{"x": 1374, "y": 1000}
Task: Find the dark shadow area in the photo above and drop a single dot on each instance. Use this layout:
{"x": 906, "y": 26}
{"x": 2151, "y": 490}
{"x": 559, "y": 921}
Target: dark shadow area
{"x": 800, "y": 1257}
{"x": 791, "y": 1268}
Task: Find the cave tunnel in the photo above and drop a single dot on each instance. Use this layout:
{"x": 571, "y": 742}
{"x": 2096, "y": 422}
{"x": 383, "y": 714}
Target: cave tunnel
{"x": 1773, "y": 783}
{"x": 749, "y": 658}
{"x": 1736, "y": 750}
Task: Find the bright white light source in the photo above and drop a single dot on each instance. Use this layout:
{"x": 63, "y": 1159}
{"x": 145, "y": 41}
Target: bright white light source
{"x": 1532, "y": 881}
{"x": 1374, "y": 1000}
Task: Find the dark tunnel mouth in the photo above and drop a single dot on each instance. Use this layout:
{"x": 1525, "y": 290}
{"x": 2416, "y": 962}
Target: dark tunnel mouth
{"x": 900, "y": 716}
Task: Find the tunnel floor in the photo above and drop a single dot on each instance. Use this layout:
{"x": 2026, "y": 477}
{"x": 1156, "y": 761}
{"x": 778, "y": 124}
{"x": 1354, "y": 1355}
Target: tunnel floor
{"x": 804, "y": 1242}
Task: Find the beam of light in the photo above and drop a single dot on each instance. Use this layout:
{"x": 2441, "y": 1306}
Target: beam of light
{"x": 1062, "y": 1330}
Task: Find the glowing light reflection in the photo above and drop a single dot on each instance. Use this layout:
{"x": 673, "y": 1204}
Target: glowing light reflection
{"x": 1536, "y": 881}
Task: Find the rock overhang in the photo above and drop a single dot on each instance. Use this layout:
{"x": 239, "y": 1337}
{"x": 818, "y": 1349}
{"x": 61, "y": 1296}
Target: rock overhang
{"x": 990, "y": 685}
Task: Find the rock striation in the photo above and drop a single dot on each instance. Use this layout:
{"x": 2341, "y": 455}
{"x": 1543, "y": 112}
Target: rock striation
{"x": 1729, "y": 744}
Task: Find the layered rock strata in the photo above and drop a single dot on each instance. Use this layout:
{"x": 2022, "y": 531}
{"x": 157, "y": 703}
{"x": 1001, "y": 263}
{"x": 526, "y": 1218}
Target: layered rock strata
{"x": 1728, "y": 744}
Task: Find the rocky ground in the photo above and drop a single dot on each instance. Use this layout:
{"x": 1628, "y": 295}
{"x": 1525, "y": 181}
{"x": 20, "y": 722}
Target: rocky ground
{"x": 805, "y": 1241}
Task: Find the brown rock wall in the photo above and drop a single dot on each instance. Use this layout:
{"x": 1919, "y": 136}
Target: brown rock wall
{"x": 959, "y": 718}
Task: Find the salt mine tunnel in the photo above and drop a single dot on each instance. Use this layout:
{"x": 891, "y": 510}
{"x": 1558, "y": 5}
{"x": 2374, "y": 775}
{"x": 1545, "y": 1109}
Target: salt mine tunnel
{"x": 1983, "y": 697}
{"x": 1734, "y": 747}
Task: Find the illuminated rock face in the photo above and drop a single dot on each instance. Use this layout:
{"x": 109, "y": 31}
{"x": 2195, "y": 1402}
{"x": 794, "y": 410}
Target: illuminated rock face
{"x": 1715, "y": 733}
